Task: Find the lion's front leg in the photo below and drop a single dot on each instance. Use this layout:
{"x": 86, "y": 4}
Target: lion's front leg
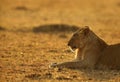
{"x": 71, "y": 64}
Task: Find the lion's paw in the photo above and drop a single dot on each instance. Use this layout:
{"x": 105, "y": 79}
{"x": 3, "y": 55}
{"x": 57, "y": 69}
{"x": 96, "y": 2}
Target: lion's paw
{"x": 53, "y": 65}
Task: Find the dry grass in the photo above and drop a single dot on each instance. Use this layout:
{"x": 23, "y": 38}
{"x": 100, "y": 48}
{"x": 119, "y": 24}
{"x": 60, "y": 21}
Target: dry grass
{"x": 25, "y": 55}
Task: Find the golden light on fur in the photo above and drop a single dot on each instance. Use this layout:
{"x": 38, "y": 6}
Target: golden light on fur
{"x": 92, "y": 52}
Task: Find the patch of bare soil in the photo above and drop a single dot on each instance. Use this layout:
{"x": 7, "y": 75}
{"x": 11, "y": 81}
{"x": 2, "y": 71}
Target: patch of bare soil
{"x": 34, "y": 34}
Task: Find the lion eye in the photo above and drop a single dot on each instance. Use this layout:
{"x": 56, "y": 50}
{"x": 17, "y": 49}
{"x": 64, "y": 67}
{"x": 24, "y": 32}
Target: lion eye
{"x": 75, "y": 35}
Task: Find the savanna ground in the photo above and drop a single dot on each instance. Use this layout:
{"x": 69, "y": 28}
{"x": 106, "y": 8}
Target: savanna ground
{"x": 27, "y": 48}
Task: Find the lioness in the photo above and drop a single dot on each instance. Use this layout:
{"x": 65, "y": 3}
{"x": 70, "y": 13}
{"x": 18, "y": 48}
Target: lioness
{"x": 91, "y": 52}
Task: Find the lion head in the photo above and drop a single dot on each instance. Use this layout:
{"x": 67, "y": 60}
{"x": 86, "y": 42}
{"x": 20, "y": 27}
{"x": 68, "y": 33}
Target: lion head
{"x": 79, "y": 38}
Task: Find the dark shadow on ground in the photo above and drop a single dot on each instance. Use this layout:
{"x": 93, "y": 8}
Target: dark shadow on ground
{"x": 2, "y": 28}
{"x": 55, "y": 28}
{"x": 118, "y": 4}
{"x": 21, "y": 8}
{"x": 100, "y": 75}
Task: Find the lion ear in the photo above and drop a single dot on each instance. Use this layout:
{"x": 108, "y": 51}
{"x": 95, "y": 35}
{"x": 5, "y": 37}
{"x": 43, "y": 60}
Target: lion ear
{"x": 79, "y": 30}
{"x": 86, "y": 30}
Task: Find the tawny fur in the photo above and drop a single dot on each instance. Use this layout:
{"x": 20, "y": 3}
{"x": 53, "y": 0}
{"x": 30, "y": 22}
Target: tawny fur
{"x": 91, "y": 52}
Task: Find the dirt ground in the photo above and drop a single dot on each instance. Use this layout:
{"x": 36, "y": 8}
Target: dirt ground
{"x": 28, "y": 44}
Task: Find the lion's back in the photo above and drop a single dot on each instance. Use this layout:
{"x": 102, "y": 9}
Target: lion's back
{"x": 110, "y": 57}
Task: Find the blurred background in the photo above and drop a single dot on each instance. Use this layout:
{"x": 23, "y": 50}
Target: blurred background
{"x": 29, "y": 13}
{"x": 34, "y": 33}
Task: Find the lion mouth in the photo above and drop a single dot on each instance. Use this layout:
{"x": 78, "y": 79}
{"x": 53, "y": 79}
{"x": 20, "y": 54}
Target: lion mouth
{"x": 73, "y": 48}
